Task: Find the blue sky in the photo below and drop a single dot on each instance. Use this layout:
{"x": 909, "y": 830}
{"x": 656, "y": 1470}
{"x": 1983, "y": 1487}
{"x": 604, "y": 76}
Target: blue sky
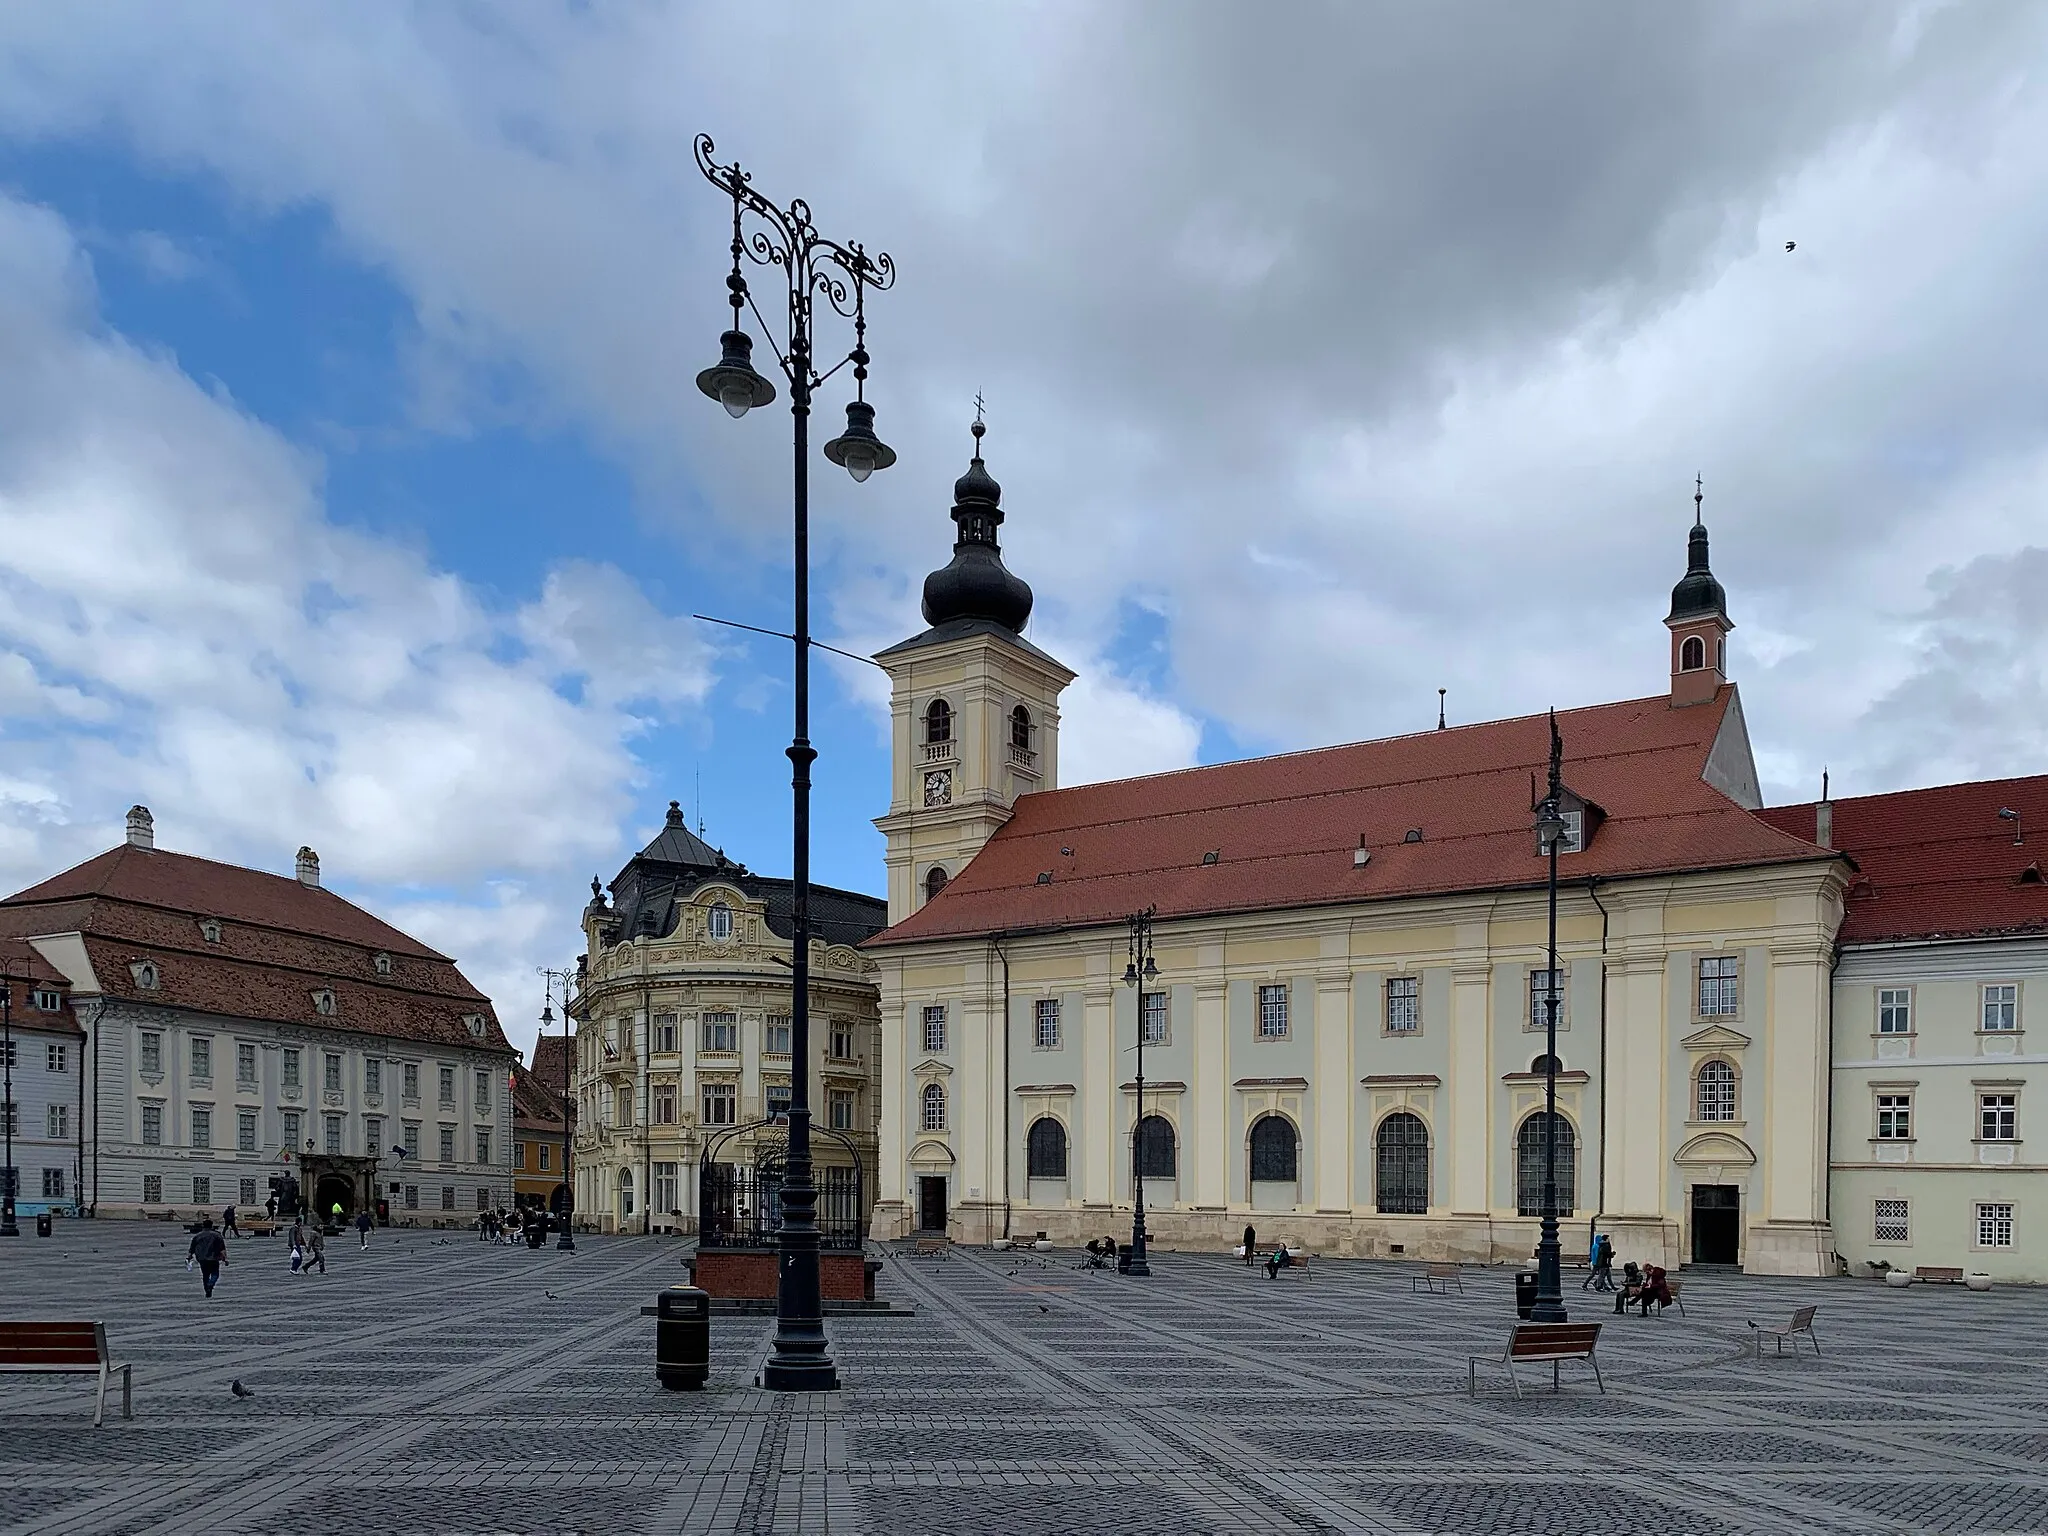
{"x": 354, "y": 491}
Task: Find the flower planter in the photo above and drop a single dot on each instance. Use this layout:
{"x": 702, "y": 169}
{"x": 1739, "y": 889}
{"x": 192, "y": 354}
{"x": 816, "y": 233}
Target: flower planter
{"x": 1977, "y": 1281}
{"x": 1898, "y": 1278}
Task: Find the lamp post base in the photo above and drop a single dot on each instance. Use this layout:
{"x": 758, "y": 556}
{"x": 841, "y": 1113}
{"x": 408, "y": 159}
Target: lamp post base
{"x": 800, "y": 1376}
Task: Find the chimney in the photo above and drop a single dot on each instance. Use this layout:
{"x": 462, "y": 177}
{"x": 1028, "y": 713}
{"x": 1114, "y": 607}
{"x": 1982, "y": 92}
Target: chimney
{"x": 1824, "y": 815}
{"x": 141, "y": 827}
{"x": 309, "y": 868}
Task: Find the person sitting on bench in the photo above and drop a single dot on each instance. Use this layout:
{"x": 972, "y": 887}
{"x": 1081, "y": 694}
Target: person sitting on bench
{"x": 1631, "y": 1286}
{"x": 1281, "y": 1259}
{"x": 1654, "y": 1289}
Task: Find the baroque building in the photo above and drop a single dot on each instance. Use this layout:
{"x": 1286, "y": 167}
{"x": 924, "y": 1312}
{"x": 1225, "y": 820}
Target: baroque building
{"x": 237, "y": 1026}
{"x": 682, "y": 1011}
{"x": 1344, "y": 1046}
{"x": 45, "y": 1104}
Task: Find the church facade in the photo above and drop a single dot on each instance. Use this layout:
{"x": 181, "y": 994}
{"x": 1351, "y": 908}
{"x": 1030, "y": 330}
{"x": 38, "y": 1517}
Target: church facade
{"x": 1344, "y": 1044}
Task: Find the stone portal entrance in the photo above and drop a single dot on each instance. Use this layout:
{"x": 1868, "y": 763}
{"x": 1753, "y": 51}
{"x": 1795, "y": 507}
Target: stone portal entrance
{"x": 328, "y": 1179}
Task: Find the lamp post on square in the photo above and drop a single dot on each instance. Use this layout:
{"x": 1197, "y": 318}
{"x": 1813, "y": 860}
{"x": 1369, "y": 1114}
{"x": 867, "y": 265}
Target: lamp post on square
{"x": 1138, "y": 974}
{"x": 1550, "y": 832}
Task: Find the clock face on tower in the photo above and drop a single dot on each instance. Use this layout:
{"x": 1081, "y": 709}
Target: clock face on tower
{"x": 938, "y": 787}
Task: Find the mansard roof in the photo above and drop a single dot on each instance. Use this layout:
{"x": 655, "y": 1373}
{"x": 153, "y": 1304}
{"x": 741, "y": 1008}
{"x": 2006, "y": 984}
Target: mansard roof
{"x": 1283, "y": 832}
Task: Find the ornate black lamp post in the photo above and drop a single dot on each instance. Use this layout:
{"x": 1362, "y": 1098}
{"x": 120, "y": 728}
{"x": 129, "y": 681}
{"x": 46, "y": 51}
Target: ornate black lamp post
{"x": 566, "y": 1243}
{"x": 7, "y": 1226}
{"x": 1550, "y": 830}
{"x": 784, "y": 238}
{"x": 1139, "y": 973}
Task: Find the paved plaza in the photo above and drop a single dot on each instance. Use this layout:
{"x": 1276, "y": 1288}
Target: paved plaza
{"x": 437, "y": 1384}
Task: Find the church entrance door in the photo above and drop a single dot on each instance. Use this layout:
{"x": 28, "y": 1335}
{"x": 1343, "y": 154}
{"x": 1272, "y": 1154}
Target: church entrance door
{"x": 931, "y": 1204}
{"x": 1716, "y": 1223}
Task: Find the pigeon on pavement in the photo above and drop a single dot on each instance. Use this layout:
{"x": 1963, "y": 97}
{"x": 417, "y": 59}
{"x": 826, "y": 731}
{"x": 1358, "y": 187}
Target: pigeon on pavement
{"x": 238, "y": 1389}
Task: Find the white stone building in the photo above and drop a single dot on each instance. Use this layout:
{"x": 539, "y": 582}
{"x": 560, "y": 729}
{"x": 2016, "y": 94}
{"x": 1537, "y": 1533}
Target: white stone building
{"x": 44, "y": 1105}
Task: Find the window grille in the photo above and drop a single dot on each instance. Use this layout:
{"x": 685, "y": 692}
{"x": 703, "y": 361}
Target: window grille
{"x": 1273, "y": 1012}
{"x": 1045, "y": 1149}
{"x": 1401, "y": 1171}
{"x": 1152, "y": 1017}
{"x": 1529, "y": 1166}
{"x": 1047, "y": 1035}
{"x": 1889, "y": 1222}
{"x": 1274, "y": 1148}
{"x": 935, "y": 1027}
{"x": 934, "y": 1104}
{"x": 1158, "y": 1150}
{"x": 1715, "y": 1095}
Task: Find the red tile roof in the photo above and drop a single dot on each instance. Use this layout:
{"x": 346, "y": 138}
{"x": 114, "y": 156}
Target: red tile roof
{"x": 1939, "y": 863}
{"x": 280, "y": 942}
{"x": 1284, "y": 829}
{"x": 25, "y": 972}
{"x": 551, "y": 1062}
{"x": 534, "y": 1107}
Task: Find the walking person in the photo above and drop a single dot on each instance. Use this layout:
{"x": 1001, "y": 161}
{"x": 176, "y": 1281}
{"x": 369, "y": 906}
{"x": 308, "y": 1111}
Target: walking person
{"x": 363, "y": 1225}
{"x": 227, "y": 1224}
{"x": 209, "y": 1251}
{"x": 1251, "y": 1245}
{"x": 1600, "y": 1268}
{"x": 316, "y": 1252}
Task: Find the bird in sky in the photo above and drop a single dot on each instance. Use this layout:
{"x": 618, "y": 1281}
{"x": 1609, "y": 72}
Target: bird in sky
{"x": 1791, "y": 245}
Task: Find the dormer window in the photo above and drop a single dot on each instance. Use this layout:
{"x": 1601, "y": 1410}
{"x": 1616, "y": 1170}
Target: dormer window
{"x": 938, "y": 723}
{"x": 145, "y": 975}
{"x": 381, "y": 963}
{"x": 323, "y": 1000}
{"x": 47, "y": 1001}
{"x": 719, "y": 924}
{"x": 1692, "y": 655}
{"x": 1574, "y": 838}
{"x": 474, "y": 1023}
{"x": 209, "y": 930}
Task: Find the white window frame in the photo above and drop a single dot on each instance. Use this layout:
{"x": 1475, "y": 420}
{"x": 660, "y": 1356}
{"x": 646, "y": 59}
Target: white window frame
{"x": 1717, "y": 994}
{"x": 932, "y": 1106}
{"x": 718, "y": 922}
{"x": 2000, "y": 1015}
{"x": 1402, "y": 1011}
{"x": 1894, "y": 1111}
{"x": 54, "y": 1057}
{"x": 1730, "y": 1100}
{"x": 1273, "y": 1021}
{"x": 777, "y": 1027}
{"x": 665, "y": 1033}
{"x": 1536, "y": 997}
{"x": 664, "y": 1103}
{"x": 152, "y": 1125}
{"x": 1155, "y": 1017}
{"x": 248, "y": 1134}
{"x": 199, "y": 1121}
{"x": 839, "y": 1044}
{"x": 1993, "y": 1220}
{"x": 57, "y": 1122}
{"x": 720, "y": 1032}
{"x": 1895, "y": 1010}
{"x": 839, "y": 1108}
{"x": 1891, "y": 1220}
{"x": 1998, "y": 1115}
{"x": 1045, "y": 1027}
{"x": 150, "y": 1057}
{"x": 934, "y": 1028}
{"x": 720, "y": 1103}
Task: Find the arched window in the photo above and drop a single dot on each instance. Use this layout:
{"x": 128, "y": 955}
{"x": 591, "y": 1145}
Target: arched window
{"x": 934, "y": 1101}
{"x": 938, "y": 722}
{"x": 719, "y": 925}
{"x": 934, "y": 881}
{"x": 1692, "y": 655}
{"x": 625, "y": 1192}
{"x": 1715, "y": 1094}
{"x": 1045, "y": 1149}
{"x": 1529, "y": 1166}
{"x": 1158, "y": 1154}
{"x": 1273, "y": 1150}
{"x": 1020, "y": 728}
{"x": 1541, "y": 1062}
{"x": 1401, "y": 1165}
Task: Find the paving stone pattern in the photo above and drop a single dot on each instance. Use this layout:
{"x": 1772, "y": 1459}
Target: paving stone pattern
{"x": 432, "y": 1383}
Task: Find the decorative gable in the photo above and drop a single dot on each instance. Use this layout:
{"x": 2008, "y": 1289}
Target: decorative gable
{"x": 144, "y": 973}
{"x": 1715, "y": 1037}
{"x": 324, "y": 1001}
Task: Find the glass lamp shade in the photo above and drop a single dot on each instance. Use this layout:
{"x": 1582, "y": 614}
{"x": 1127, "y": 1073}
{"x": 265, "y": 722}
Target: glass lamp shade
{"x": 857, "y": 450}
{"x": 547, "y": 1013}
{"x": 733, "y": 383}
{"x": 1151, "y": 970}
{"x": 1549, "y": 828}
{"x": 1131, "y": 974}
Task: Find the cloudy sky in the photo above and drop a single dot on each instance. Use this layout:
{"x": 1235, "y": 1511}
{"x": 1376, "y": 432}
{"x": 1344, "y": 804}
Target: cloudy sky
{"x": 354, "y": 490}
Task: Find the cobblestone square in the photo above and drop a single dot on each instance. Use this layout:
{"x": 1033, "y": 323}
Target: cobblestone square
{"x": 434, "y": 1383}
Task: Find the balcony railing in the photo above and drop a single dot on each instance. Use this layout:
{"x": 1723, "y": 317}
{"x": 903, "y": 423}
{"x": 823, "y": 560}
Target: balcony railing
{"x": 1024, "y": 758}
{"x": 938, "y": 752}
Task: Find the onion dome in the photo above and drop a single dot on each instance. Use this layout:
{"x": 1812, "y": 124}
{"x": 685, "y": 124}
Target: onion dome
{"x": 976, "y": 584}
{"x": 1697, "y": 594}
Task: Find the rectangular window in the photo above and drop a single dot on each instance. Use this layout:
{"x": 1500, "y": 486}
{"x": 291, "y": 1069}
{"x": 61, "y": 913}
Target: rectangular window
{"x": 448, "y": 1087}
{"x": 1047, "y": 1035}
{"x": 57, "y": 1122}
{"x": 667, "y": 1187}
{"x": 202, "y": 1189}
{"x": 1574, "y": 831}
{"x": 53, "y": 1183}
{"x": 447, "y": 1197}
{"x": 412, "y": 1197}
{"x": 246, "y": 1194}
{"x": 10, "y": 1052}
{"x": 245, "y": 1062}
{"x": 245, "y": 1130}
{"x": 54, "y": 1057}
{"x": 152, "y": 1125}
{"x": 721, "y": 1032}
{"x": 1889, "y": 1222}
{"x": 288, "y": 1067}
{"x": 1273, "y": 1012}
{"x": 152, "y": 1051}
{"x": 202, "y": 1057}
{"x": 202, "y": 1128}
{"x": 840, "y": 1040}
{"x": 721, "y": 1104}
{"x": 839, "y": 1109}
{"x": 777, "y": 1095}
{"x": 1894, "y": 1011}
{"x": 483, "y": 1144}
{"x": 410, "y": 1139}
{"x": 777, "y": 1041}
{"x": 447, "y": 1143}
{"x": 545, "y": 1149}
{"x": 664, "y": 1103}
{"x": 665, "y": 1032}
{"x": 290, "y": 1122}
{"x": 330, "y": 1071}
{"x": 1994, "y": 1225}
{"x": 1720, "y": 987}
{"x": 2001, "y": 1006}
{"x": 1540, "y": 983}
{"x": 1152, "y": 1017}
{"x": 410, "y": 1078}
{"x": 483, "y": 1199}
{"x": 1895, "y": 1117}
{"x": 1404, "y": 1005}
{"x": 373, "y": 1076}
{"x": 483, "y": 1088}
{"x": 333, "y": 1134}
{"x": 152, "y": 1189}
{"x": 935, "y": 1027}
{"x": 373, "y": 1136}
{"x": 519, "y": 1155}
{"x": 622, "y": 1108}
{"x": 48, "y": 1001}
{"x": 10, "y": 1116}
{"x": 1997, "y": 1117}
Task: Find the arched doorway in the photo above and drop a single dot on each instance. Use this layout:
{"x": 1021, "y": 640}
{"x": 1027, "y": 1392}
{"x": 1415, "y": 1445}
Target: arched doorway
{"x": 332, "y": 1190}
{"x": 1401, "y": 1165}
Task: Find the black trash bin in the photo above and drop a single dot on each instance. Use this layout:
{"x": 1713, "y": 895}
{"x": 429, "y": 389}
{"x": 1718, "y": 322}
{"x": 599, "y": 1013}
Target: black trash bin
{"x": 682, "y": 1338}
{"x": 42, "y": 1224}
{"x": 1525, "y": 1293}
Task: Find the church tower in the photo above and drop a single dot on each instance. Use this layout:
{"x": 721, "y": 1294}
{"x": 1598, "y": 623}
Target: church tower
{"x": 974, "y": 706}
{"x": 1699, "y": 621}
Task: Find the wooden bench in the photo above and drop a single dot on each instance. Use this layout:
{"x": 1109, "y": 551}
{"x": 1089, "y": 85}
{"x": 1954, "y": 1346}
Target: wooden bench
{"x": 258, "y": 1228}
{"x": 1676, "y": 1288}
{"x": 1300, "y": 1264}
{"x": 930, "y": 1247}
{"x": 1935, "y": 1274}
{"x": 1800, "y": 1326}
{"x": 1535, "y": 1343}
{"x": 1438, "y": 1278}
{"x": 64, "y": 1349}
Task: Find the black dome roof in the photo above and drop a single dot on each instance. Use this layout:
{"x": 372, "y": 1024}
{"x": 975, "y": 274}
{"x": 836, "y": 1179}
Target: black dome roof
{"x": 1698, "y": 594}
{"x": 976, "y": 584}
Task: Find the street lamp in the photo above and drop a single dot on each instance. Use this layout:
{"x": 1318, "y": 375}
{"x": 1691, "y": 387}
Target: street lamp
{"x": 1550, "y": 831}
{"x": 1138, "y": 973}
{"x": 566, "y": 1243}
{"x": 7, "y": 1226}
{"x": 785, "y": 239}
